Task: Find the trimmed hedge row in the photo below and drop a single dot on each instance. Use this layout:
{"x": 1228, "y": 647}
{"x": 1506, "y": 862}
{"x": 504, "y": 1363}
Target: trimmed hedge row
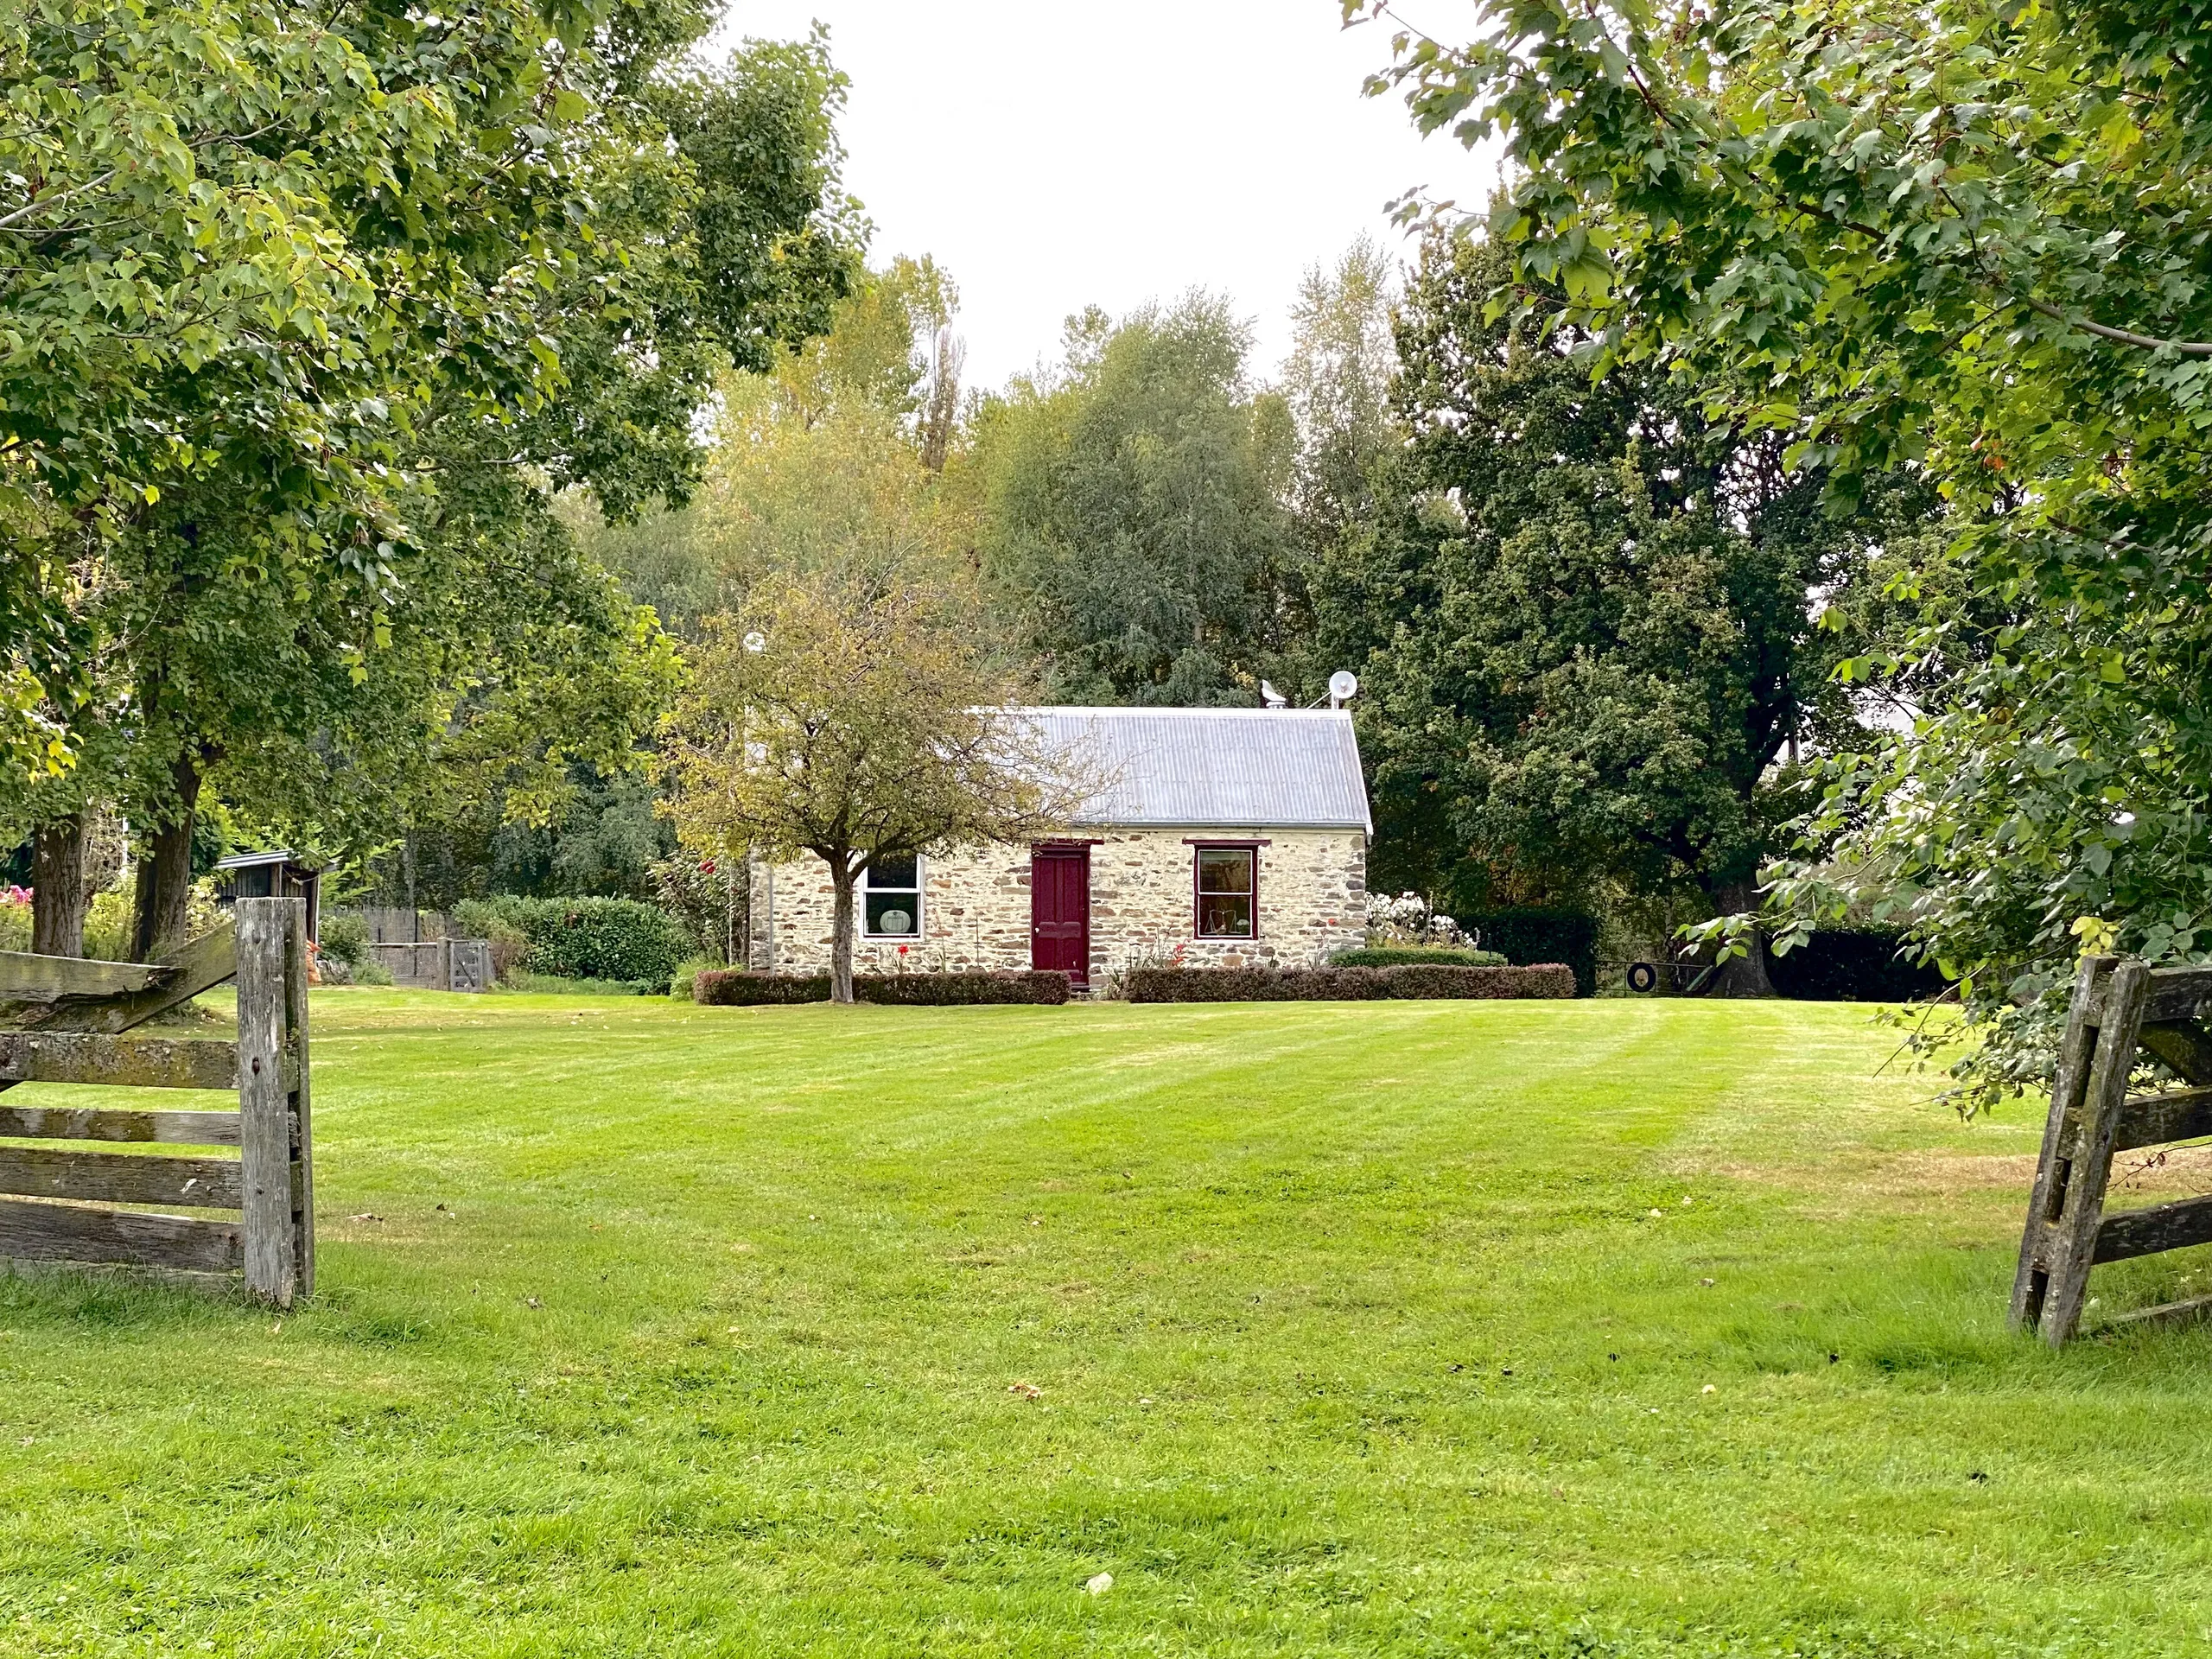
{"x": 1549, "y": 978}
{"x": 732, "y": 987}
{"x": 585, "y": 938}
{"x": 1415, "y": 956}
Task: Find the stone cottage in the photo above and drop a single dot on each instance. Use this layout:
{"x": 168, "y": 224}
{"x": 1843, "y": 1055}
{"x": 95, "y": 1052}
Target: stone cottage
{"x": 1222, "y": 838}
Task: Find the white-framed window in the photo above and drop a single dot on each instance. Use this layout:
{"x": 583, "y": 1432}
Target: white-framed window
{"x": 891, "y": 898}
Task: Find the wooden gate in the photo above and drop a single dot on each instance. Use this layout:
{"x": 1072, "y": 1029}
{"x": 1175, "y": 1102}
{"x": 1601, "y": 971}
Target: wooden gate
{"x": 63, "y": 1019}
{"x": 2119, "y": 1007}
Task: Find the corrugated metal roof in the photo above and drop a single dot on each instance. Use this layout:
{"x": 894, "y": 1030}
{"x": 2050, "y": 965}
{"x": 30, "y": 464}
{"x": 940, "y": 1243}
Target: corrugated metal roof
{"x": 1215, "y": 767}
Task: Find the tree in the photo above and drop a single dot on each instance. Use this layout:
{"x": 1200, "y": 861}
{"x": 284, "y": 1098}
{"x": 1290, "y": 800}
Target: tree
{"x": 878, "y": 352}
{"x": 852, "y": 719}
{"x": 1970, "y": 238}
{"x": 1132, "y": 510}
{"x": 823, "y": 461}
{"x": 252, "y": 240}
{"x": 1337, "y": 381}
{"x": 1585, "y": 615}
{"x": 284, "y": 627}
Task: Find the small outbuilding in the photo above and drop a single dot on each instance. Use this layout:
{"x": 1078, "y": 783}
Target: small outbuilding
{"x": 1222, "y": 838}
{"x": 280, "y": 874}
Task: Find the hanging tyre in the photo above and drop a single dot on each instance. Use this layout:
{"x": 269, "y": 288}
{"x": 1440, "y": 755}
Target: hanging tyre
{"x": 1642, "y": 977}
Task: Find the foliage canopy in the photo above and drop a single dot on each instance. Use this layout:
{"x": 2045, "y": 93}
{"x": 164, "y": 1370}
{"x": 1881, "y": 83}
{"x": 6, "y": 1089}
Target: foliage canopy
{"x": 1972, "y": 240}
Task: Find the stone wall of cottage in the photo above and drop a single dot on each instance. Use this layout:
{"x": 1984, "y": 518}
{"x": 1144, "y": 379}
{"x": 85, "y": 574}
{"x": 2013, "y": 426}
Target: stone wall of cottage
{"x": 975, "y": 907}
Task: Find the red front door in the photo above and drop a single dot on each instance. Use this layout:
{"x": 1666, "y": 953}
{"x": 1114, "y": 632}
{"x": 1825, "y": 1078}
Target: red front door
{"x": 1059, "y": 911}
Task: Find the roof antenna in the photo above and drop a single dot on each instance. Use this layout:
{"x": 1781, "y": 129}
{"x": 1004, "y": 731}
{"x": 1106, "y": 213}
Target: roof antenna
{"x": 1272, "y": 697}
{"x": 1343, "y": 686}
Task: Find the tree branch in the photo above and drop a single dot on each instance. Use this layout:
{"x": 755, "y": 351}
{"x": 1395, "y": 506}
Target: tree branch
{"x": 2125, "y": 336}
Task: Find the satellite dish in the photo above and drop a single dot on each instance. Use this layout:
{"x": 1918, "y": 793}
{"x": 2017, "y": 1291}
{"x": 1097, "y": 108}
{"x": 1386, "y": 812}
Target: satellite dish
{"x": 1343, "y": 686}
{"x": 756, "y": 641}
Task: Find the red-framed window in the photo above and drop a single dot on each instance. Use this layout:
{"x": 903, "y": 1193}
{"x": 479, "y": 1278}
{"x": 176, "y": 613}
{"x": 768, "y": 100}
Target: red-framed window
{"x": 1225, "y": 889}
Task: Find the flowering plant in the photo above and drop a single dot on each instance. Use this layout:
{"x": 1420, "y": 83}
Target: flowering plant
{"x": 1408, "y": 919}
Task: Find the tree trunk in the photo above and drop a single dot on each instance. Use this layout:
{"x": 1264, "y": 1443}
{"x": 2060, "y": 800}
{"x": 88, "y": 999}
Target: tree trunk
{"x": 59, "y": 898}
{"x": 841, "y": 934}
{"x": 161, "y": 904}
{"x": 1743, "y": 975}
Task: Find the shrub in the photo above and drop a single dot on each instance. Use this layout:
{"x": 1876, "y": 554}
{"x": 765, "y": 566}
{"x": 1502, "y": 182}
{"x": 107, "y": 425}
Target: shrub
{"x": 1546, "y": 936}
{"x": 1852, "y": 964}
{"x": 583, "y": 938}
{"x": 345, "y": 935}
{"x": 706, "y": 896}
{"x": 1255, "y": 984}
{"x": 734, "y": 988}
{"x": 107, "y": 925}
{"x": 948, "y": 990}
{"x": 1408, "y": 980}
{"x": 1395, "y": 956}
{"x": 1549, "y": 978}
{"x": 370, "y": 971}
{"x": 509, "y": 948}
{"x": 687, "y": 972}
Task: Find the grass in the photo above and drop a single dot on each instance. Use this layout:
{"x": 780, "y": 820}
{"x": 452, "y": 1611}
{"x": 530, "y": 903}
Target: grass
{"x": 1600, "y": 1328}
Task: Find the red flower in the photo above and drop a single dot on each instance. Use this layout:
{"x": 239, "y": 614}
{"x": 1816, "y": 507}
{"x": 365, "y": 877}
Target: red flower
{"x": 706, "y": 867}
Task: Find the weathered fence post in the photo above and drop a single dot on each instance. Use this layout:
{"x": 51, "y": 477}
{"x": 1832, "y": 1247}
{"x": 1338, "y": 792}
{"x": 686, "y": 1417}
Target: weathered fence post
{"x": 296, "y": 1057}
{"x": 2118, "y": 1009}
{"x": 268, "y": 1177}
{"x": 62, "y": 1021}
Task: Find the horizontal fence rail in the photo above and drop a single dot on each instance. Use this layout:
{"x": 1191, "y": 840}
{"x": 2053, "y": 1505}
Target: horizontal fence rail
{"x": 112, "y": 1123}
{"x": 2121, "y": 1009}
{"x": 76, "y": 1057}
{"x": 119, "y": 1178}
{"x": 68, "y": 1017}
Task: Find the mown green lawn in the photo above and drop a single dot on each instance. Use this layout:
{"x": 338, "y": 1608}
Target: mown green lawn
{"x": 1423, "y": 1328}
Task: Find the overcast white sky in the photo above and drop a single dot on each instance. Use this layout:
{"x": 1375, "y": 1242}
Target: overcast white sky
{"x": 1053, "y": 154}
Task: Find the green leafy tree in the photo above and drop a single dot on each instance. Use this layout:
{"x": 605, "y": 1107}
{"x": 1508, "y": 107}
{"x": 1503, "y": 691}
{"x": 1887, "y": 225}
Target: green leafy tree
{"x": 287, "y": 640}
{"x": 1971, "y": 238}
{"x": 1585, "y": 616}
{"x": 1132, "y": 511}
{"x": 821, "y": 461}
{"x": 1337, "y": 381}
{"x": 251, "y": 240}
{"x": 852, "y": 717}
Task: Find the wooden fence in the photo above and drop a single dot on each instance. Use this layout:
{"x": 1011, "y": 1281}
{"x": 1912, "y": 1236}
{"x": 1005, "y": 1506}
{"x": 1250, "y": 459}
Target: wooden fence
{"x": 439, "y": 964}
{"x": 63, "y": 1022}
{"x": 2121, "y": 1008}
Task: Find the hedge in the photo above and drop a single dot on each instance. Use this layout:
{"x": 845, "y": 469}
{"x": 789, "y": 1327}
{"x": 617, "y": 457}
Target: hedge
{"x": 585, "y": 938}
{"x": 735, "y": 987}
{"x": 1555, "y": 936}
{"x": 1409, "y": 980}
{"x": 1852, "y": 964}
{"x": 1408, "y": 956}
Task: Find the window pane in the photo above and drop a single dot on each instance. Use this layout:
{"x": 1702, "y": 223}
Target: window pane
{"x": 1224, "y": 869}
{"x": 893, "y": 914}
{"x": 1225, "y": 916}
{"x": 889, "y": 875}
